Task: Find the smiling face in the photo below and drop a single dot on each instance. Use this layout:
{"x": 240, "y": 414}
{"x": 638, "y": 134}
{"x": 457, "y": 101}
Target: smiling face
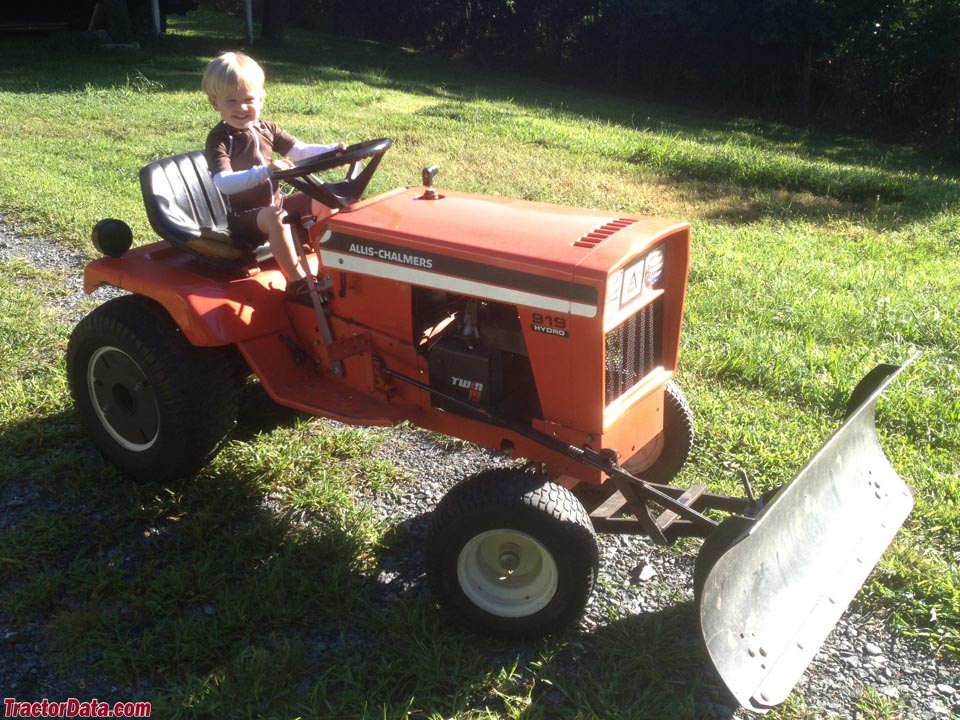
{"x": 239, "y": 108}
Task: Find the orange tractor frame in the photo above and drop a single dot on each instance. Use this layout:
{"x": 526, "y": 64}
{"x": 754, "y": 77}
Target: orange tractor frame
{"x": 548, "y": 333}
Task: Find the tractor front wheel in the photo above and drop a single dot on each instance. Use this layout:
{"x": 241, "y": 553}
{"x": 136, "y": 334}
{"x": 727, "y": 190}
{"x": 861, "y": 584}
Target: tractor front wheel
{"x": 512, "y": 553}
{"x": 156, "y": 407}
{"x": 677, "y": 439}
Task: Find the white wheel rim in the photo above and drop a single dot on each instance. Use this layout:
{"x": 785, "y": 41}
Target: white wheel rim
{"x": 507, "y": 573}
{"x": 117, "y": 404}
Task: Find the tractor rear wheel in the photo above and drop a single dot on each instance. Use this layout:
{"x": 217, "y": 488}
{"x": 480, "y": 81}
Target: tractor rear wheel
{"x": 512, "y": 553}
{"x": 156, "y": 407}
{"x": 677, "y": 439}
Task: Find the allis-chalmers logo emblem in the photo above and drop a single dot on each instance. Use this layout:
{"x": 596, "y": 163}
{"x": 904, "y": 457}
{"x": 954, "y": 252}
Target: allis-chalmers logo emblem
{"x": 391, "y": 255}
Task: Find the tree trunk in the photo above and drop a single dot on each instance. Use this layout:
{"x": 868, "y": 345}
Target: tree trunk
{"x": 274, "y": 20}
{"x": 803, "y": 90}
{"x": 621, "y": 68}
{"x": 117, "y": 20}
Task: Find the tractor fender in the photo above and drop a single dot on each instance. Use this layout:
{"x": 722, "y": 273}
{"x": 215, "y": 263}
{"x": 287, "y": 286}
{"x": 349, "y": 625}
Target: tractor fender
{"x": 211, "y": 308}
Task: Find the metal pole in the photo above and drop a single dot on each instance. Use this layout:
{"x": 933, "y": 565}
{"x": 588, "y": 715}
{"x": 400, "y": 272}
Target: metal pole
{"x": 156, "y": 17}
{"x": 249, "y": 4}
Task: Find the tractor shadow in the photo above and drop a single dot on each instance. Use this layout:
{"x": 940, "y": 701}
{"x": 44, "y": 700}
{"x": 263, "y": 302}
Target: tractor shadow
{"x": 651, "y": 664}
{"x": 142, "y": 591}
{"x": 654, "y": 664}
{"x": 135, "y": 590}
{"x": 258, "y": 413}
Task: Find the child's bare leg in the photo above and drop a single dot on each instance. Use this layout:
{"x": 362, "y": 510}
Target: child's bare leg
{"x": 269, "y": 220}
{"x": 319, "y": 210}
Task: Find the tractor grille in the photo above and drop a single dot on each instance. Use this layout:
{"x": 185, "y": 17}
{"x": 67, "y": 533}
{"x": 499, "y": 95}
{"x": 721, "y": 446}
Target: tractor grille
{"x": 633, "y": 349}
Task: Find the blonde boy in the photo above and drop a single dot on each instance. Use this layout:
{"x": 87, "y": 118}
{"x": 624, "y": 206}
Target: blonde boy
{"x": 240, "y": 153}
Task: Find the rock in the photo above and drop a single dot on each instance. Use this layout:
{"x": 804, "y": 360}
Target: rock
{"x": 643, "y": 571}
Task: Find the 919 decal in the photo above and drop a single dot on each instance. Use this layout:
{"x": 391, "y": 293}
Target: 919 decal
{"x": 555, "y": 325}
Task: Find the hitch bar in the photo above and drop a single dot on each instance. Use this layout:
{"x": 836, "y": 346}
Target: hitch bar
{"x": 682, "y": 514}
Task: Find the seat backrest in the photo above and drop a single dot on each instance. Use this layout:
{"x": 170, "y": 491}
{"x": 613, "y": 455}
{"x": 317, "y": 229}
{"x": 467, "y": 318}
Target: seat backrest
{"x": 186, "y": 209}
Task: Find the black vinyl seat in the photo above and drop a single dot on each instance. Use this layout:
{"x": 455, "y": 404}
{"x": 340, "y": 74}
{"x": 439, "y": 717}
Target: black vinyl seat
{"x": 186, "y": 209}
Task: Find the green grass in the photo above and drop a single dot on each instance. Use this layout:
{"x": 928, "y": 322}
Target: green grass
{"x": 814, "y": 257}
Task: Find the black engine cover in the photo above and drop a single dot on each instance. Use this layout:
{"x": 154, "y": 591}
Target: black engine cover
{"x": 465, "y": 371}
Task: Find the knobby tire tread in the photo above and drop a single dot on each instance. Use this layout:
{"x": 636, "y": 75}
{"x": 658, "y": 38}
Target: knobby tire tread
{"x": 532, "y": 504}
{"x": 677, "y": 441}
{"x": 197, "y": 388}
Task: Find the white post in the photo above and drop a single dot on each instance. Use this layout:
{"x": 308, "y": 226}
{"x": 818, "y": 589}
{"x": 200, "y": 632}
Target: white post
{"x": 156, "y": 17}
{"x": 249, "y": 4}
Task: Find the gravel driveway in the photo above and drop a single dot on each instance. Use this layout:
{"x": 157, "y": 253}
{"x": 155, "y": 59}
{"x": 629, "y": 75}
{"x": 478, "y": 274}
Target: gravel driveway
{"x": 636, "y": 576}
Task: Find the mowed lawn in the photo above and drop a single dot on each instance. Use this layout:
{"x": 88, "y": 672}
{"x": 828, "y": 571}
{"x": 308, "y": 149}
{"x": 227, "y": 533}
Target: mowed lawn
{"x": 815, "y": 257}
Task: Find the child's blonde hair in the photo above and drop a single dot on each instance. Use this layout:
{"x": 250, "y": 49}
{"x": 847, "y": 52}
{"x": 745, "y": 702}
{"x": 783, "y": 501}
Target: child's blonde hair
{"x": 231, "y": 71}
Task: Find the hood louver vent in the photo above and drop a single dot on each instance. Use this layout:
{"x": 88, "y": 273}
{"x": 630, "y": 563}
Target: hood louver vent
{"x": 592, "y": 239}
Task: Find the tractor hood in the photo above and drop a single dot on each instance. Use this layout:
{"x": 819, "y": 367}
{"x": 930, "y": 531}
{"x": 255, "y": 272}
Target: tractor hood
{"x": 550, "y": 251}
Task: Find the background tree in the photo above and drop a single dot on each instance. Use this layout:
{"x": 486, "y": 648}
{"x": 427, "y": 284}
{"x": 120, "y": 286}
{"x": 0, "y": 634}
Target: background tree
{"x": 274, "y": 15}
{"x": 885, "y": 66}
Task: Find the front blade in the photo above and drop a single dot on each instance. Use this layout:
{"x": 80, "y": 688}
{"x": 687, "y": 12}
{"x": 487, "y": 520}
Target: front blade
{"x": 774, "y": 595}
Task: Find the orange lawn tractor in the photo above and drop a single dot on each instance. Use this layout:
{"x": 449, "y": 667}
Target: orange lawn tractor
{"x": 548, "y": 333}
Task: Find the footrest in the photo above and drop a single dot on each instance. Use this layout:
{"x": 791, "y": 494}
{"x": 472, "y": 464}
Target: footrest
{"x": 292, "y": 380}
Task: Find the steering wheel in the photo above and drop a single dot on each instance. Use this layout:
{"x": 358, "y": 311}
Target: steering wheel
{"x": 346, "y": 192}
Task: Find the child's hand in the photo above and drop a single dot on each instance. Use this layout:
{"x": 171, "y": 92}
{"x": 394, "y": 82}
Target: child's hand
{"x": 280, "y": 164}
{"x": 341, "y": 147}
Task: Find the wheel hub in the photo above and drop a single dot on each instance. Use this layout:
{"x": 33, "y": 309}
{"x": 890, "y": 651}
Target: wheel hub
{"x": 507, "y": 573}
{"x": 123, "y": 399}
{"x": 509, "y": 558}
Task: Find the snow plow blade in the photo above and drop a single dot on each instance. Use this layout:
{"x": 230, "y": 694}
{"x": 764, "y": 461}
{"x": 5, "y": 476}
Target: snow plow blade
{"x": 776, "y": 585}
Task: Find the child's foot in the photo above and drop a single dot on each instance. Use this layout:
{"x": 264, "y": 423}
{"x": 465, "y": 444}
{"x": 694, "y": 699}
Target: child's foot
{"x": 298, "y": 291}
